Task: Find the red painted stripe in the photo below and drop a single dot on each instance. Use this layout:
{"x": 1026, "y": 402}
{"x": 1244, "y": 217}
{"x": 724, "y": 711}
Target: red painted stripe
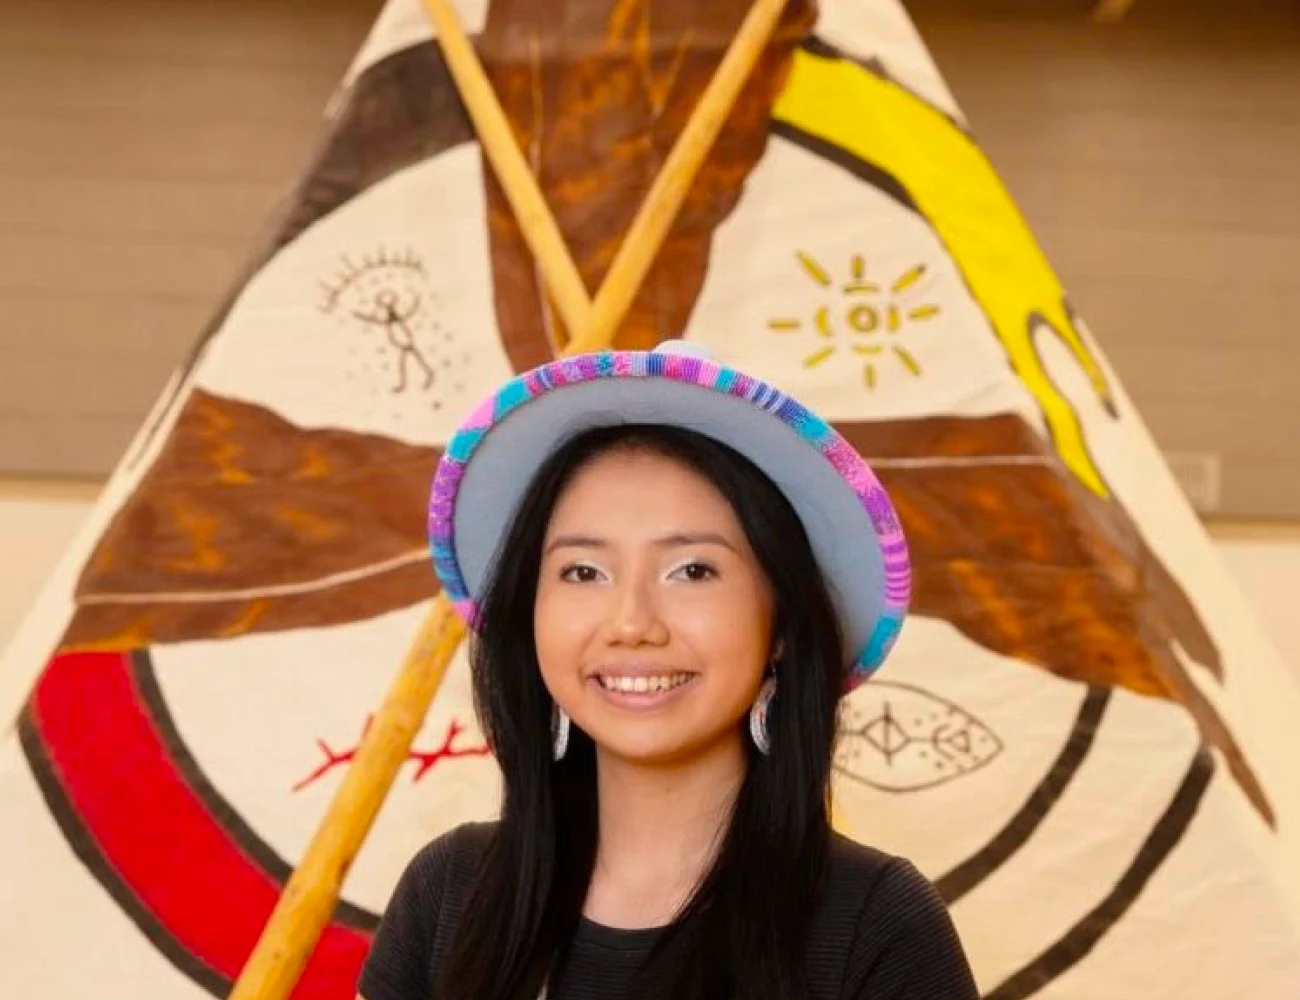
{"x": 156, "y": 833}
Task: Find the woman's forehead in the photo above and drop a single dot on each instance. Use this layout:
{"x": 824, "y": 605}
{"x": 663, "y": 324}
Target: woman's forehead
{"x": 640, "y": 493}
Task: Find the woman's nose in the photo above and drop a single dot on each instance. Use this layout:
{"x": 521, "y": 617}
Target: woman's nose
{"x": 634, "y": 617}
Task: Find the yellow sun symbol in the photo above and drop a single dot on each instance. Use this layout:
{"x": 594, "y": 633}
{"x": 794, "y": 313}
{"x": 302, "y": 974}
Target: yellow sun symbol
{"x": 868, "y": 310}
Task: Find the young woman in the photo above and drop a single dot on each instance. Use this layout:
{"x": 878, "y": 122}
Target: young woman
{"x": 674, "y": 573}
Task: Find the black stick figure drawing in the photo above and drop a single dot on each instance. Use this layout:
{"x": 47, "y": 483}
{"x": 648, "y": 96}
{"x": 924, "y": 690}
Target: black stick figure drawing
{"x": 395, "y": 322}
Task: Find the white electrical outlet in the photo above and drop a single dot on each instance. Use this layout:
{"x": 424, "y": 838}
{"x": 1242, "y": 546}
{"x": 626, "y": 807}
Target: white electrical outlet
{"x": 1200, "y": 475}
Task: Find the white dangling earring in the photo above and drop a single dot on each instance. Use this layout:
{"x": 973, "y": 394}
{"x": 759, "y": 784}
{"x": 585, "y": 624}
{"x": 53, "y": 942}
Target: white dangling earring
{"x": 559, "y": 731}
{"x": 758, "y": 730}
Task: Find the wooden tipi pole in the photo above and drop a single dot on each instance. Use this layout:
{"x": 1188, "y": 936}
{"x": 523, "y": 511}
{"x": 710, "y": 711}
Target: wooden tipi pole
{"x": 309, "y": 898}
{"x": 664, "y": 200}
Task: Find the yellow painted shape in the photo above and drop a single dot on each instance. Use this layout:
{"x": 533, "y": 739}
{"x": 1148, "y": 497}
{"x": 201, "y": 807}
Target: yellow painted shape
{"x": 960, "y": 195}
{"x": 910, "y": 277}
{"x": 815, "y": 270}
{"x": 905, "y": 356}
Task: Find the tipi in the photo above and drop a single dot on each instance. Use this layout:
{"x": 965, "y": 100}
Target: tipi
{"x": 1080, "y": 736}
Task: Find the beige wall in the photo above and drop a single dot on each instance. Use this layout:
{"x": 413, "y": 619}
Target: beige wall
{"x": 144, "y": 144}
{"x": 1158, "y": 162}
{"x": 1266, "y": 564}
{"x": 37, "y": 523}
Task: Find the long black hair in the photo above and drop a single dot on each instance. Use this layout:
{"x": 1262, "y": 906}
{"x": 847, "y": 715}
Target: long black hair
{"x": 742, "y": 934}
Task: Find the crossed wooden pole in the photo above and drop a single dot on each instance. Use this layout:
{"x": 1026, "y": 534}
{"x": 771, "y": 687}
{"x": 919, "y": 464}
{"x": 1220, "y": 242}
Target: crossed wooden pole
{"x": 312, "y": 892}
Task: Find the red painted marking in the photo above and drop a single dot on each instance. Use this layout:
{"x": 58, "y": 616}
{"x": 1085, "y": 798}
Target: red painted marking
{"x": 157, "y": 834}
{"x": 427, "y": 759}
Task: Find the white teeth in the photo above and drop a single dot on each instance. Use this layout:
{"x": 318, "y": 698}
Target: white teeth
{"x": 643, "y": 685}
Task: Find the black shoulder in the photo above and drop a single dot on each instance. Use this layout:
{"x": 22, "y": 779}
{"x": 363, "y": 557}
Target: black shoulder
{"x": 850, "y": 857}
{"x": 449, "y": 857}
{"x": 402, "y": 957}
{"x": 903, "y": 943}
{"x": 877, "y": 880}
{"x": 853, "y": 871}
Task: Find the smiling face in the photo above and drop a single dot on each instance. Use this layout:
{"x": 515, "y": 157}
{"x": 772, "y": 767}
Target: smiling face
{"x": 653, "y": 619}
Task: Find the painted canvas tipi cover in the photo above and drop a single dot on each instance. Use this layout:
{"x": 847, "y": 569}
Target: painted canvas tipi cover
{"x": 1081, "y": 736}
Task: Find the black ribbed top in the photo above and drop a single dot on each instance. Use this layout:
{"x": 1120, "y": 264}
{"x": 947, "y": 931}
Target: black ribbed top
{"x": 881, "y": 932}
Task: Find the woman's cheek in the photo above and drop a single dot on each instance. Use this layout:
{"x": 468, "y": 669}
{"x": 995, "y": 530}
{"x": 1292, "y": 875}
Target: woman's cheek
{"x": 564, "y": 623}
{"x": 720, "y": 618}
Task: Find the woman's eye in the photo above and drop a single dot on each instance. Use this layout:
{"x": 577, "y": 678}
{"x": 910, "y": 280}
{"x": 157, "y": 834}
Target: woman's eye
{"x": 579, "y": 574}
{"x": 697, "y": 572}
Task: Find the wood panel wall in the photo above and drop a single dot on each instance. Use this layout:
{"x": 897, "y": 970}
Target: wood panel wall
{"x": 1158, "y": 163}
{"x": 143, "y": 143}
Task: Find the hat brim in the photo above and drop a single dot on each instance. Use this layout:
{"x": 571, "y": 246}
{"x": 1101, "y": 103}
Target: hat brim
{"x": 850, "y": 522}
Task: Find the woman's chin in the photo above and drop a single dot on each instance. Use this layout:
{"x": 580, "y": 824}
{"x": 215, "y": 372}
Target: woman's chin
{"x": 658, "y": 745}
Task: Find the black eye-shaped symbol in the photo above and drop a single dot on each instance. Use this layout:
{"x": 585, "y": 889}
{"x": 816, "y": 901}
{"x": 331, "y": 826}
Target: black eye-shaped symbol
{"x": 898, "y": 738}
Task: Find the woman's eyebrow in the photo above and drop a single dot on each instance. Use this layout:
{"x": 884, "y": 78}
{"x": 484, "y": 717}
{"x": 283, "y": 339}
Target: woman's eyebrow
{"x": 576, "y": 542}
{"x": 675, "y": 540}
{"x": 694, "y": 538}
